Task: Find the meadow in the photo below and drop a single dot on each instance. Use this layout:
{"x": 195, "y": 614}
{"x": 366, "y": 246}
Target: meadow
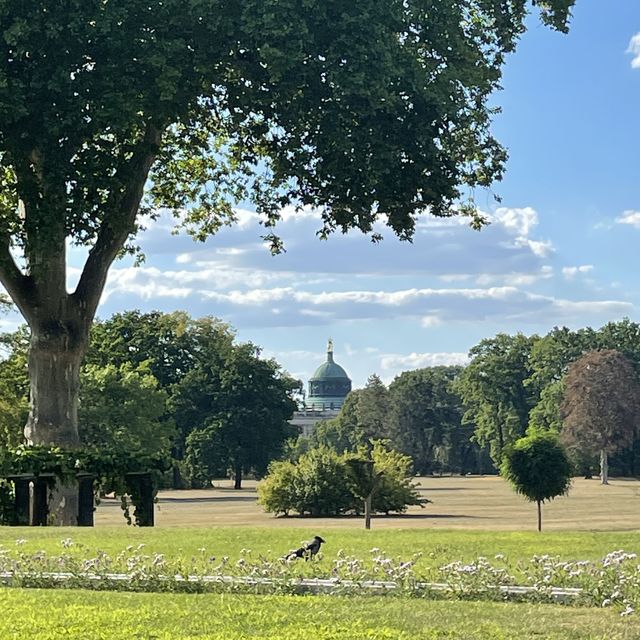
{"x": 469, "y": 518}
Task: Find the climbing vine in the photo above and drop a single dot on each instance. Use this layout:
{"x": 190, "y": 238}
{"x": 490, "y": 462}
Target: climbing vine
{"x": 112, "y": 470}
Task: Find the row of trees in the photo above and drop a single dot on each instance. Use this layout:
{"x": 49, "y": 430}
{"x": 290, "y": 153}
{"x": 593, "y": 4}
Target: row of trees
{"x": 166, "y": 385}
{"x": 419, "y": 413}
{"x": 581, "y": 384}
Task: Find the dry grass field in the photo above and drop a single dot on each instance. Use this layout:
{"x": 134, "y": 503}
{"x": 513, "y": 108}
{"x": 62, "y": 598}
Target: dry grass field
{"x": 481, "y": 503}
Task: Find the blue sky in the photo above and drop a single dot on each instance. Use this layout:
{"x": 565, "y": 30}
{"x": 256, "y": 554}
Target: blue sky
{"x": 562, "y": 248}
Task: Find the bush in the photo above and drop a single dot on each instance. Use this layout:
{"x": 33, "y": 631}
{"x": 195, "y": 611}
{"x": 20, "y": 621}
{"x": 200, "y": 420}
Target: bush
{"x": 318, "y": 484}
{"x": 396, "y": 490}
{"x": 277, "y": 492}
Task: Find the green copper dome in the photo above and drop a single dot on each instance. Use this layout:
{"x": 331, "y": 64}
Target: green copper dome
{"x": 329, "y": 369}
{"x": 329, "y": 385}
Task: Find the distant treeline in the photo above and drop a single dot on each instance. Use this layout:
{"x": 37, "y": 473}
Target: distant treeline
{"x": 460, "y": 419}
{"x": 167, "y": 384}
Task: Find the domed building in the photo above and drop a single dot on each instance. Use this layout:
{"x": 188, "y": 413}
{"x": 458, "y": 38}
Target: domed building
{"x": 329, "y": 385}
{"x": 328, "y": 388}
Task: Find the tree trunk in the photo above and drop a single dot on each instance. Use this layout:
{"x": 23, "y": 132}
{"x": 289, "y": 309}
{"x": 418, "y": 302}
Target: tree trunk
{"x": 56, "y": 351}
{"x": 238, "y": 477}
{"x": 539, "y": 515}
{"x": 367, "y": 511}
{"x": 55, "y": 357}
{"x": 59, "y": 320}
{"x": 177, "y": 481}
{"x": 604, "y": 467}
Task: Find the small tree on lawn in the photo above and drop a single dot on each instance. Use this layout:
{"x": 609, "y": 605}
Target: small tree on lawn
{"x": 601, "y": 405}
{"x": 538, "y": 468}
{"x": 364, "y": 481}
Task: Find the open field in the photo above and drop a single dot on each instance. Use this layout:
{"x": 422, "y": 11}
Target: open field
{"x": 84, "y": 615}
{"x": 486, "y": 503}
{"x": 469, "y": 517}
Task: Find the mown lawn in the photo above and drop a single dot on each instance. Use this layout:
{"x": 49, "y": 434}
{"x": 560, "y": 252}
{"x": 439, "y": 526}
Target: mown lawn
{"x": 84, "y": 615}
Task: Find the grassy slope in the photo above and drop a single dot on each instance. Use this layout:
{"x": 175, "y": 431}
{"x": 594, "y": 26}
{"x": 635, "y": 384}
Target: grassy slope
{"x": 83, "y": 615}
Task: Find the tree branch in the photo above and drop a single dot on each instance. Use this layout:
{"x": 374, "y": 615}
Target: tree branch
{"x": 14, "y": 281}
{"x": 116, "y": 228}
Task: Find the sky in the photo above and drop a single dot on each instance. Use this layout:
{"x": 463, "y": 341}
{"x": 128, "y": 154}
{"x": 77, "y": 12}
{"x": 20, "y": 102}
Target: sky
{"x": 562, "y": 248}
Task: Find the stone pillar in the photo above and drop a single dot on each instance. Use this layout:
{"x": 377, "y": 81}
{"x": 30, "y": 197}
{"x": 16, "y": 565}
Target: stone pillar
{"x": 85, "y": 499}
{"x": 21, "y": 498}
{"x": 39, "y": 504}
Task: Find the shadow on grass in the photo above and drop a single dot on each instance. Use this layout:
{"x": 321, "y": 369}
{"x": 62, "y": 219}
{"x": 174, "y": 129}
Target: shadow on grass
{"x": 384, "y": 516}
{"x": 110, "y": 502}
{"x": 430, "y": 489}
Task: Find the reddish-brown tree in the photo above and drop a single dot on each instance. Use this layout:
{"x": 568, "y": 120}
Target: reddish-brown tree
{"x": 601, "y": 405}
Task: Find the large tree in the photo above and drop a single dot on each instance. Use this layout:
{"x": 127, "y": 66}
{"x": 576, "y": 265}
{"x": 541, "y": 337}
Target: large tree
{"x": 496, "y": 399}
{"x": 550, "y": 357}
{"x": 250, "y": 403}
{"x": 601, "y": 405}
{"x": 425, "y": 415}
{"x": 123, "y": 409}
{"x": 376, "y": 107}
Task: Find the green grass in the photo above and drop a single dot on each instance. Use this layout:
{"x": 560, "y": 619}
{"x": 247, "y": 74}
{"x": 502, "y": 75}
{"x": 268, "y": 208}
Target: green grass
{"x": 84, "y": 615}
{"x": 438, "y": 547}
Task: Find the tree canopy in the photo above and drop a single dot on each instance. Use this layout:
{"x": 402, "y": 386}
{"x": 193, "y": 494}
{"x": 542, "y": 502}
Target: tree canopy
{"x": 369, "y": 110}
{"x": 425, "y": 417}
{"x": 167, "y": 387}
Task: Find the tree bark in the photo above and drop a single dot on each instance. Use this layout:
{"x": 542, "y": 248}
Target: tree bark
{"x": 539, "y": 515}
{"x": 238, "y": 477}
{"x": 55, "y": 357}
{"x": 367, "y": 511}
{"x": 604, "y": 467}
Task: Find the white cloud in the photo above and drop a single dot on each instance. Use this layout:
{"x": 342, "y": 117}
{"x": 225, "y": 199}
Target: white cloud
{"x": 353, "y": 352}
{"x": 540, "y": 248}
{"x": 583, "y": 308}
{"x": 455, "y": 277}
{"x": 429, "y": 307}
{"x": 516, "y": 279}
{"x": 418, "y": 360}
{"x": 519, "y": 222}
{"x": 431, "y": 321}
{"x": 571, "y": 272}
{"x": 629, "y": 217}
{"x": 634, "y": 50}
{"x": 442, "y": 247}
